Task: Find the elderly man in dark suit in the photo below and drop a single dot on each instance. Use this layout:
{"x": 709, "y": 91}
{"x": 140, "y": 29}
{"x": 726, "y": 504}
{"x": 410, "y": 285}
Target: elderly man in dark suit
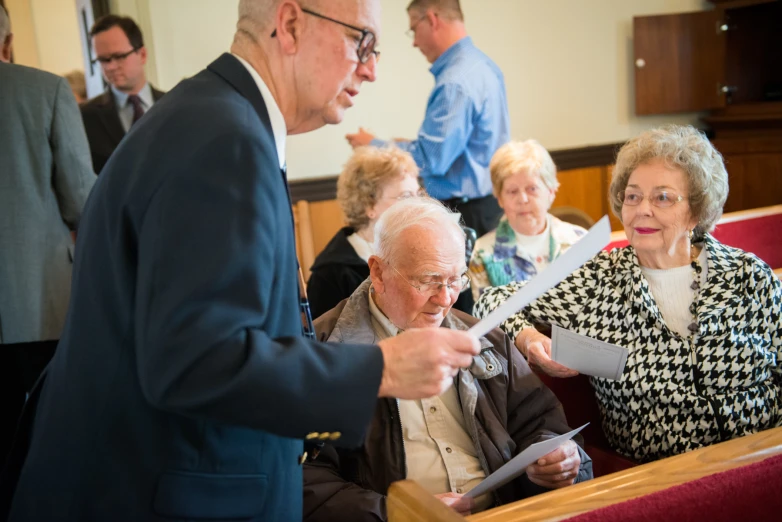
{"x": 45, "y": 177}
{"x": 182, "y": 387}
{"x": 119, "y": 47}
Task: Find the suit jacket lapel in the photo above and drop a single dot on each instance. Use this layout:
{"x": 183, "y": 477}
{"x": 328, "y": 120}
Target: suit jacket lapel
{"x": 110, "y": 118}
{"x": 232, "y": 71}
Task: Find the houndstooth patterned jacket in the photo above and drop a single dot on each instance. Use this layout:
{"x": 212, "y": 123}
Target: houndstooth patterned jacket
{"x": 673, "y": 396}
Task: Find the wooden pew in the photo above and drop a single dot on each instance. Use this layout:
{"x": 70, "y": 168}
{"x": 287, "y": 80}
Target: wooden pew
{"x": 407, "y": 499}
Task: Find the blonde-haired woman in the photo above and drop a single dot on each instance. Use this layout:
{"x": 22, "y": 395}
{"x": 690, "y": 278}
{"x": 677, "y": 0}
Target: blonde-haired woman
{"x": 372, "y": 180}
{"x": 528, "y": 238}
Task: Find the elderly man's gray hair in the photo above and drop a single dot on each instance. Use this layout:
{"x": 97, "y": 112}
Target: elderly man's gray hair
{"x": 419, "y": 211}
{"x": 5, "y": 25}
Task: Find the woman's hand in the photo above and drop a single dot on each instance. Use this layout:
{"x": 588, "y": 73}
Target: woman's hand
{"x": 536, "y": 348}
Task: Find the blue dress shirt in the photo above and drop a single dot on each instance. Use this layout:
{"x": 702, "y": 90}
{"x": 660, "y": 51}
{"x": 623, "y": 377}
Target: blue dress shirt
{"x": 466, "y": 121}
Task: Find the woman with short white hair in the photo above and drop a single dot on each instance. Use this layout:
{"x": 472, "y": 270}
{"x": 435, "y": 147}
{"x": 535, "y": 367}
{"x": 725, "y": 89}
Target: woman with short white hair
{"x": 528, "y": 238}
{"x": 702, "y": 321}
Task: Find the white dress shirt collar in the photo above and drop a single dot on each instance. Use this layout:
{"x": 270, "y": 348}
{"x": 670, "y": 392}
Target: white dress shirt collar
{"x": 279, "y": 129}
{"x": 121, "y": 98}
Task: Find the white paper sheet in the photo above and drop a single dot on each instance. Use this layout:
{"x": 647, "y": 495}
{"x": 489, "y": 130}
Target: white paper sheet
{"x": 584, "y": 250}
{"x": 516, "y": 466}
{"x": 586, "y": 355}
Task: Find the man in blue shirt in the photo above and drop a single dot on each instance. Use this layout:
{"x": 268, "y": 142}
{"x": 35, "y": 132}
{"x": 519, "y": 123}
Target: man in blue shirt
{"x": 466, "y": 116}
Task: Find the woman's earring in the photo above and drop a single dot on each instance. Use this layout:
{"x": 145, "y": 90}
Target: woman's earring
{"x": 691, "y": 234}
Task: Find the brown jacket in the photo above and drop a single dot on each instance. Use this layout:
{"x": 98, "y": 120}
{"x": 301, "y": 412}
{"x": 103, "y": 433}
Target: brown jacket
{"x": 512, "y": 410}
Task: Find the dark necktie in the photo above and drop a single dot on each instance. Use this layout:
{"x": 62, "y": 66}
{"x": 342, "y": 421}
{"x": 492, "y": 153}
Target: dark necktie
{"x": 138, "y": 110}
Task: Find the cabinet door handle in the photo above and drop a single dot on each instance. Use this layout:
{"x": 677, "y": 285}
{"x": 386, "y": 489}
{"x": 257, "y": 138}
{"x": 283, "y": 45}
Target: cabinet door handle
{"x": 726, "y": 89}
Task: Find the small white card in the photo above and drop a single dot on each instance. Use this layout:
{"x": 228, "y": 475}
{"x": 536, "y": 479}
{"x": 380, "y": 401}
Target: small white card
{"x": 518, "y": 464}
{"x": 586, "y": 355}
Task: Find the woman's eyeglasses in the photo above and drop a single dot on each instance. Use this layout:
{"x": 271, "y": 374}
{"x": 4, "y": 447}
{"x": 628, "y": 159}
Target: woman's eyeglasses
{"x": 658, "y": 198}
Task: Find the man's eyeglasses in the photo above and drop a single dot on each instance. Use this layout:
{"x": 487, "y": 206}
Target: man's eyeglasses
{"x": 366, "y": 45}
{"x": 411, "y": 32}
{"x": 658, "y": 198}
{"x": 118, "y": 57}
{"x": 429, "y": 289}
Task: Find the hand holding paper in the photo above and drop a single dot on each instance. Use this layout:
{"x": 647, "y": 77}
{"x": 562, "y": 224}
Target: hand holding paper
{"x": 558, "y": 469}
{"x": 537, "y": 349}
{"x": 586, "y": 355}
{"x": 518, "y": 464}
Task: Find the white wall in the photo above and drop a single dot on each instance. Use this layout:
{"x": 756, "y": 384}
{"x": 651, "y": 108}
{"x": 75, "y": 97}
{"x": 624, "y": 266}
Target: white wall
{"x": 567, "y": 64}
{"x": 57, "y": 35}
{"x": 46, "y": 34}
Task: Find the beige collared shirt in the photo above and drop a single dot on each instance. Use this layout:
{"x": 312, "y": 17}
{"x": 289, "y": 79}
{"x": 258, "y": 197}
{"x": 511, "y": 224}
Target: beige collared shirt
{"x": 439, "y": 453}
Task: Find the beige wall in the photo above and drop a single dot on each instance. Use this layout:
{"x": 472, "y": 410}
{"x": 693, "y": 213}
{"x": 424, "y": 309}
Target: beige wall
{"x": 25, "y": 44}
{"x": 46, "y": 34}
{"x": 567, "y": 65}
{"x": 57, "y": 35}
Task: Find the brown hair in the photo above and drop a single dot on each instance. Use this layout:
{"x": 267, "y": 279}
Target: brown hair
{"x": 128, "y": 26}
{"x": 448, "y": 9}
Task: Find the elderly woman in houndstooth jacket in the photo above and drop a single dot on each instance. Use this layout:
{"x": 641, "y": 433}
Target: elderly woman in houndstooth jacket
{"x": 702, "y": 321}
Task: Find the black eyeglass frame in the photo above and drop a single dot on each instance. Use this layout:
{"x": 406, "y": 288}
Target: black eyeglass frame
{"x": 115, "y": 57}
{"x": 366, "y": 36}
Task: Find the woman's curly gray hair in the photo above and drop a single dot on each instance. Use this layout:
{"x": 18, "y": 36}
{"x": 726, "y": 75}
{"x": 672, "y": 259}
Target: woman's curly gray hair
{"x": 361, "y": 183}
{"x": 684, "y": 148}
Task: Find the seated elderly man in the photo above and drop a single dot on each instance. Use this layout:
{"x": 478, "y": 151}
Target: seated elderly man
{"x": 450, "y": 443}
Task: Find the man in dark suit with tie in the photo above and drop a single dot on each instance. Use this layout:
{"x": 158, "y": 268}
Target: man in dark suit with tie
{"x": 119, "y": 47}
{"x": 182, "y": 386}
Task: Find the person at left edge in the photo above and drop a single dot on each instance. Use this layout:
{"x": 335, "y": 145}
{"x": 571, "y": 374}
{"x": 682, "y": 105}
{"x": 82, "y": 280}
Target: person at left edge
{"x": 182, "y": 386}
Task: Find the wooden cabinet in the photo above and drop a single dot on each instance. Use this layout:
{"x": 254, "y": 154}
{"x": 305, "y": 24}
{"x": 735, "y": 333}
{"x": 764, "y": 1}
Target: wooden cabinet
{"x": 709, "y": 59}
{"x": 679, "y": 63}
{"x": 727, "y": 61}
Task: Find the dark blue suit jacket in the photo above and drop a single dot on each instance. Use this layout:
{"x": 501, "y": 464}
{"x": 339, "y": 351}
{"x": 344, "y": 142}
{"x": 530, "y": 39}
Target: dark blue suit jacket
{"x": 181, "y": 388}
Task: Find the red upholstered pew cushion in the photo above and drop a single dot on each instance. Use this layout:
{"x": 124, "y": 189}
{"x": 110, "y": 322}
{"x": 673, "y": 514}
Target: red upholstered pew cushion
{"x": 759, "y": 235}
{"x": 752, "y": 492}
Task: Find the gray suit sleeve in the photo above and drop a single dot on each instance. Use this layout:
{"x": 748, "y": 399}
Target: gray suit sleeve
{"x": 72, "y": 174}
